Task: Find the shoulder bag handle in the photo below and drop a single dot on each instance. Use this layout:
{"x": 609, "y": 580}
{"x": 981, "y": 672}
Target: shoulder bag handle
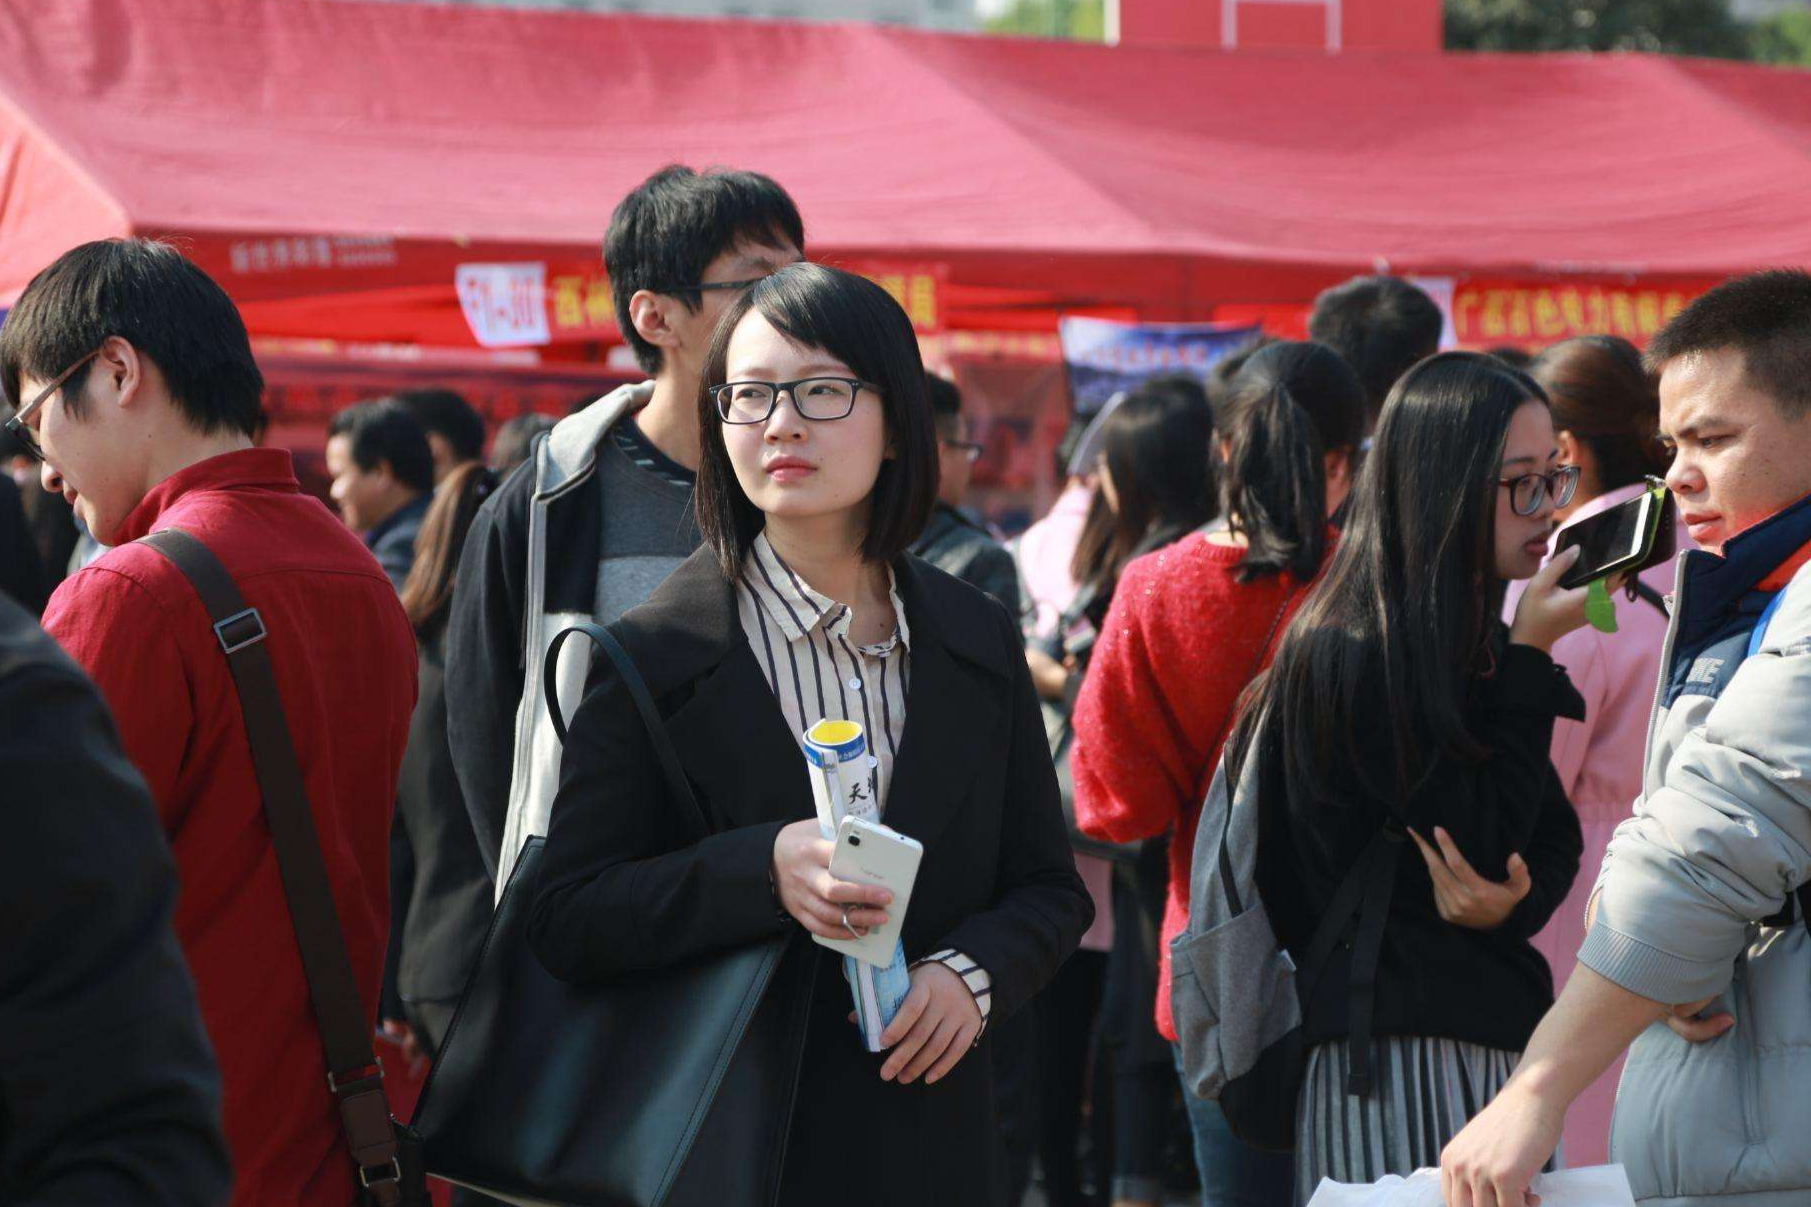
{"x": 644, "y": 704}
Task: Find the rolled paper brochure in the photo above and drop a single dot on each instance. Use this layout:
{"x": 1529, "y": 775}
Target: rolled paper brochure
{"x": 842, "y": 785}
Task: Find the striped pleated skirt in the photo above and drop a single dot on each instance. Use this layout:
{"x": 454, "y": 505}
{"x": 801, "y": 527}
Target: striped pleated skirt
{"x": 1423, "y": 1092}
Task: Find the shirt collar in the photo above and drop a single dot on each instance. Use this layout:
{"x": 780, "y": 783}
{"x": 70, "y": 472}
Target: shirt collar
{"x": 418, "y": 506}
{"x": 798, "y": 609}
{"x": 259, "y": 468}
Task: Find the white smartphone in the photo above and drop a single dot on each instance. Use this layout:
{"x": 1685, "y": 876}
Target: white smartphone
{"x": 870, "y": 853}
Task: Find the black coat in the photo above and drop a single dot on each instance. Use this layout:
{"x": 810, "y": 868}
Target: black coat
{"x": 440, "y": 889}
{"x": 1436, "y": 978}
{"x": 108, "y": 1090}
{"x": 622, "y": 889}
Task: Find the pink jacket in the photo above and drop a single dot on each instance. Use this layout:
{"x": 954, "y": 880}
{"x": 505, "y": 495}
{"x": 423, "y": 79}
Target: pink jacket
{"x": 1045, "y": 551}
{"x": 1599, "y": 758}
{"x": 1599, "y": 763}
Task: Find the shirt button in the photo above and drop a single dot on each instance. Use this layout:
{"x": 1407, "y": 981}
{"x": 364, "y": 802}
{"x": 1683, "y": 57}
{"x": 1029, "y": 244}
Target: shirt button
{"x": 855, "y": 685}
{"x": 873, "y": 762}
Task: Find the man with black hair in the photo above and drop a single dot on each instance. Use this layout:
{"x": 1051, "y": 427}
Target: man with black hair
{"x": 455, "y": 431}
{"x": 1381, "y": 325}
{"x": 1698, "y": 935}
{"x": 383, "y": 479}
{"x": 603, "y": 512}
{"x": 953, "y": 542}
{"x": 140, "y": 395}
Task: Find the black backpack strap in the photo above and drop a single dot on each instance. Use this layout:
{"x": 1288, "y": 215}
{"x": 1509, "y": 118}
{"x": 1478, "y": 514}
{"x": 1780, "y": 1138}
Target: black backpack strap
{"x": 644, "y": 704}
{"x": 1364, "y": 893}
{"x": 1367, "y": 944}
{"x": 354, "y": 1075}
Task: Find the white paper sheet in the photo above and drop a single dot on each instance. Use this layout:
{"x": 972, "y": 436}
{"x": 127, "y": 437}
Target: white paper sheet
{"x": 1599, "y": 1186}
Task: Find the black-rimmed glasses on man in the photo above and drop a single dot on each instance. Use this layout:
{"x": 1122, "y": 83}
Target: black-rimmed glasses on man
{"x": 1528, "y": 491}
{"x": 816, "y": 398}
{"x": 17, "y": 425}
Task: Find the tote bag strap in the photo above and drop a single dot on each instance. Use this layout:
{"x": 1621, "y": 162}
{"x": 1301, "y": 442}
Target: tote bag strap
{"x": 644, "y": 704}
{"x": 354, "y": 1075}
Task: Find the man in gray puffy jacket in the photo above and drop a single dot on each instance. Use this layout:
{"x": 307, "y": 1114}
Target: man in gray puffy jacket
{"x": 1699, "y": 917}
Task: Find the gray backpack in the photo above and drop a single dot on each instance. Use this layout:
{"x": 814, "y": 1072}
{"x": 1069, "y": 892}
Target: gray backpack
{"x": 1238, "y": 997}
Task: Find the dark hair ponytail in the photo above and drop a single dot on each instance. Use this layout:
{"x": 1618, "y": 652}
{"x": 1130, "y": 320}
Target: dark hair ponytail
{"x": 1289, "y": 405}
{"x": 1605, "y": 397}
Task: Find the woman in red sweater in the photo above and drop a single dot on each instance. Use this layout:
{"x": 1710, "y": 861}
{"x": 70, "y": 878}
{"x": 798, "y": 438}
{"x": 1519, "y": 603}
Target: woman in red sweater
{"x": 1189, "y": 628}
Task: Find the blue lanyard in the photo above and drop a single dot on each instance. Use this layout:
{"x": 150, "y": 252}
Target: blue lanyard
{"x": 1756, "y": 638}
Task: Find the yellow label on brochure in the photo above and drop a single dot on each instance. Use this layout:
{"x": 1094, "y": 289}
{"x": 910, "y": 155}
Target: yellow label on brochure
{"x": 833, "y": 733}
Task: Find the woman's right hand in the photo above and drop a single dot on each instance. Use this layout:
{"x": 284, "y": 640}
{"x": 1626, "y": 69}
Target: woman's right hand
{"x": 1461, "y": 895}
{"x": 1548, "y": 611}
{"x": 807, "y": 890}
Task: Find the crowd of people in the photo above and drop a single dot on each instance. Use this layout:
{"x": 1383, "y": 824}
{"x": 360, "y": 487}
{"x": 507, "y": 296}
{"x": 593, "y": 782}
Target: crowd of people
{"x": 1328, "y": 571}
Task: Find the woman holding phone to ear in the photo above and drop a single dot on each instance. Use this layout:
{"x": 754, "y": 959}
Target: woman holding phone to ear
{"x": 818, "y": 469}
{"x": 1398, "y": 702}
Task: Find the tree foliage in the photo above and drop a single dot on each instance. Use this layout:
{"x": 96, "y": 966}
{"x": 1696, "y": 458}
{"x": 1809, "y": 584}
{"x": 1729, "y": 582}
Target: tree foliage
{"x": 1695, "y": 27}
{"x": 1784, "y": 38}
{"x": 1084, "y": 20}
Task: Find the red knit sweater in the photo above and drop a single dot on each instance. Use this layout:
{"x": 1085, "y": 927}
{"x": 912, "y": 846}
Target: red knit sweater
{"x": 1181, "y": 640}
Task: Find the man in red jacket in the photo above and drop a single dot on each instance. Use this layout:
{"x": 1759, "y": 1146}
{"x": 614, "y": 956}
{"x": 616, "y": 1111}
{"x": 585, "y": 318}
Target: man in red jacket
{"x": 140, "y": 394}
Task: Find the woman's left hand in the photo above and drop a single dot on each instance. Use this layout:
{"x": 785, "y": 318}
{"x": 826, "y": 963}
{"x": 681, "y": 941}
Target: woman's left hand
{"x": 1465, "y": 898}
{"x": 934, "y": 1029}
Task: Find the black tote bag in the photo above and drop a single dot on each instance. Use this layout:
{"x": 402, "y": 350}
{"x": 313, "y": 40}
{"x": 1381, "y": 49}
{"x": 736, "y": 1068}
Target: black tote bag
{"x": 554, "y": 1095}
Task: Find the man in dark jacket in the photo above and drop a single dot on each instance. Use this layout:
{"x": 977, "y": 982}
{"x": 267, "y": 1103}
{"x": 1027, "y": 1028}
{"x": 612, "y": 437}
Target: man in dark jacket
{"x": 383, "y": 480}
{"x": 108, "y": 1090}
{"x": 952, "y": 541}
{"x": 602, "y": 512}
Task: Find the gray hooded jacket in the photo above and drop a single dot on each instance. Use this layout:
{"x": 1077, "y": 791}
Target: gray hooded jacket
{"x": 1698, "y": 893}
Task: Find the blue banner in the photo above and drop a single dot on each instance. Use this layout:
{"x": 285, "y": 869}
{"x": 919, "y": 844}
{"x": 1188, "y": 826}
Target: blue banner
{"x": 1104, "y": 357}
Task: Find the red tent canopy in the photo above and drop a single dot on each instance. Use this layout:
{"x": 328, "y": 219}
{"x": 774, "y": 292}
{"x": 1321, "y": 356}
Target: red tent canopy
{"x": 334, "y": 161}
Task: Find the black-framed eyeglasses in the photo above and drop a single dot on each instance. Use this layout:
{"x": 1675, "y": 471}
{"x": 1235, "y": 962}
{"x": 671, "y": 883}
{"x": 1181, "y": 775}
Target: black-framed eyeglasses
{"x": 815, "y": 398}
{"x": 711, "y": 286}
{"x": 1528, "y": 491}
{"x": 17, "y": 426}
{"x": 971, "y": 449}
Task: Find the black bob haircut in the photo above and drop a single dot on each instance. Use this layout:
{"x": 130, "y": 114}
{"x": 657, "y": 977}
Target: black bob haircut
{"x": 666, "y": 232}
{"x": 156, "y": 299}
{"x": 448, "y": 414}
{"x": 384, "y": 432}
{"x": 860, "y": 324}
{"x": 1381, "y": 325}
{"x": 1766, "y": 316}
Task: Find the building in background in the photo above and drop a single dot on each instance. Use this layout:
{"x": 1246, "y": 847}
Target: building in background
{"x": 926, "y": 14}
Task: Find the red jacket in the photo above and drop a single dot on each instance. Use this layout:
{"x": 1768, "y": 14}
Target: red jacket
{"x": 1180, "y": 642}
{"x": 345, "y": 665}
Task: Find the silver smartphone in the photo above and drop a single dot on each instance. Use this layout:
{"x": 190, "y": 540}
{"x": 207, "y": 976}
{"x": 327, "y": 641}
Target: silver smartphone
{"x": 870, "y": 853}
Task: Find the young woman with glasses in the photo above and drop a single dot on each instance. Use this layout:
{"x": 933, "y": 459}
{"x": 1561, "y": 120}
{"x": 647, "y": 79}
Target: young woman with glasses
{"x": 1399, "y": 703}
{"x": 818, "y": 469}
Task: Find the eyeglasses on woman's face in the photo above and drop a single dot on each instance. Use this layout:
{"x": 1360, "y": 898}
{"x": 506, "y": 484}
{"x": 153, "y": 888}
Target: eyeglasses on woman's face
{"x": 816, "y": 398}
{"x": 1528, "y": 492}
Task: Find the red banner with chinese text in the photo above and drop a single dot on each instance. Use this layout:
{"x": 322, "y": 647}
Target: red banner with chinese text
{"x": 1489, "y": 313}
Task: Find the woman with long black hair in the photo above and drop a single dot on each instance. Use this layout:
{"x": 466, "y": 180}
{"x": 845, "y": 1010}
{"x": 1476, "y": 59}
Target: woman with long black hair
{"x": 1398, "y": 702}
{"x": 1189, "y": 628}
{"x": 1154, "y": 486}
{"x": 819, "y": 468}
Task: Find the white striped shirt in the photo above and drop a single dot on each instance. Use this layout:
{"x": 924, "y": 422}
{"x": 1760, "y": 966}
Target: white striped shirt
{"x": 801, "y": 639}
